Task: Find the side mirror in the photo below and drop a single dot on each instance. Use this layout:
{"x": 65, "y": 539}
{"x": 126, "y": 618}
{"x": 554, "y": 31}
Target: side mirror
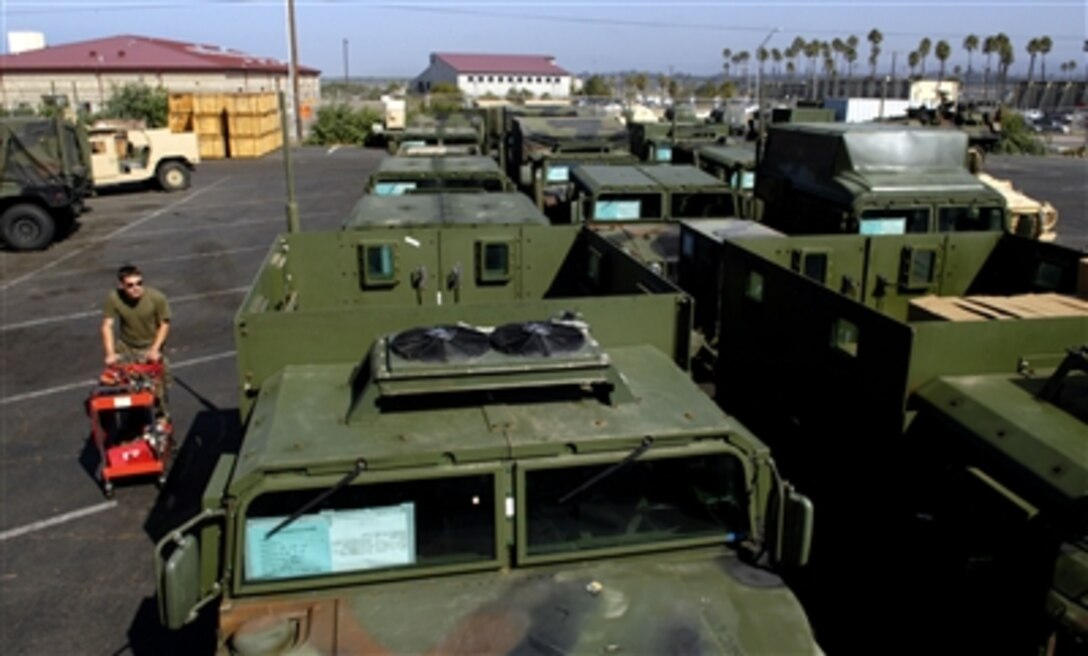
{"x": 789, "y": 527}
{"x": 179, "y": 585}
{"x": 179, "y": 576}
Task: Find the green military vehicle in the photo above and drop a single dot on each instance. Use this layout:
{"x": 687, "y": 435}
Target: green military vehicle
{"x": 829, "y": 178}
{"x": 397, "y": 175}
{"x": 735, "y": 166}
{"x": 458, "y": 135}
{"x": 45, "y": 173}
{"x": 929, "y": 389}
{"x": 542, "y": 150}
{"x": 515, "y": 469}
{"x": 674, "y": 141}
{"x": 638, "y": 207}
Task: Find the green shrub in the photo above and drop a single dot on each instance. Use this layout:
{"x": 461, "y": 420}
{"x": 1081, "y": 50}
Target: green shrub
{"x": 1017, "y": 138}
{"x": 340, "y": 124}
{"x": 138, "y": 101}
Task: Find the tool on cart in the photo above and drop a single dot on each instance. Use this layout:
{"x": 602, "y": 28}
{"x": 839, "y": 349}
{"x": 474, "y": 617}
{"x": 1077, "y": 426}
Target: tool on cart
{"x": 130, "y": 429}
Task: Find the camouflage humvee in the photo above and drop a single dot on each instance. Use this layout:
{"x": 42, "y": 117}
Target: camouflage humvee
{"x": 638, "y": 207}
{"x": 946, "y": 377}
{"x": 473, "y": 475}
{"x": 830, "y": 178}
{"x": 410, "y": 175}
{"x": 542, "y": 150}
{"x": 45, "y": 173}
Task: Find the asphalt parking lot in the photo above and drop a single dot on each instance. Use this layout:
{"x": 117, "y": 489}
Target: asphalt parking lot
{"x": 76, "y": 568}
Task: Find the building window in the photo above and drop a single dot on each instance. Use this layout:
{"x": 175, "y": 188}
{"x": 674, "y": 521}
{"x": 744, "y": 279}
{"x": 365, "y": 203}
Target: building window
{"x": 469, "y": 78}
{"x": 490, "y": 78}
{"x": 519, "y": 79}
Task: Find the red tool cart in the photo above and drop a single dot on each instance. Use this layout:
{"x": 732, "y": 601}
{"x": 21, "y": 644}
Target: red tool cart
{"x": 127, "y": 423}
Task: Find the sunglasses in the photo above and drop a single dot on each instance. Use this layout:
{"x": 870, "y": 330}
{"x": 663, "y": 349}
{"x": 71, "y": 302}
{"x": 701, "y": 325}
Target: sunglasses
{"x": 135, "y": 283}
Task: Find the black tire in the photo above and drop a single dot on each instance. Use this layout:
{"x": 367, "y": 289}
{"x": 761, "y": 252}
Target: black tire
{"x": 27, "y": 227}
{"x": 173, "y": 176}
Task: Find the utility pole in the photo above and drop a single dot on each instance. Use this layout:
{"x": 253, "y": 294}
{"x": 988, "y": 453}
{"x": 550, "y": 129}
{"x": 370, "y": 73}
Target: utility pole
{"x": 345, "y": 62}
{"x": 294, "y": 69}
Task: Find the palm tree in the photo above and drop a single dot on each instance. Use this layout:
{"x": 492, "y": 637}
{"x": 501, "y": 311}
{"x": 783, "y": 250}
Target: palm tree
{"x": 812, "y": 51}
{"x": 912, "y": 61}
{"x": 851, "y": 56}
{"x": 776, "y": 55}
{"x": 875, "y": 38}
{"x": 942, "y": 51}
{"x": 970, "y": 44}
{"x": 1032, "y": 49}
{"x": 1006, "y": 56}
{"x": 727, "y": 54}
{"x": 989, "y": 47}
{"x": 1045, "y": 44}
{"x": 923, "y": 51}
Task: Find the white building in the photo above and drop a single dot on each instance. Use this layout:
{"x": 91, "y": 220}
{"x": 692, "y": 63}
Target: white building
{"x": 498, "y": 75}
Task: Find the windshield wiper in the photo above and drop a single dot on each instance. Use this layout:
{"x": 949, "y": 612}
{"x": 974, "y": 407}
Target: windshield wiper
{"x": 647, "y": 442}
{"x": 360, "y": 467}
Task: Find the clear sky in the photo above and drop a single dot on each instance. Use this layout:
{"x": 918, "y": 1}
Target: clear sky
{"x": 395, "y": 38}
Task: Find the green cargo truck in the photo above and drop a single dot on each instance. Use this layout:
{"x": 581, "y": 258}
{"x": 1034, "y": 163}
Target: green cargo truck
{"x": 399, "y": 175}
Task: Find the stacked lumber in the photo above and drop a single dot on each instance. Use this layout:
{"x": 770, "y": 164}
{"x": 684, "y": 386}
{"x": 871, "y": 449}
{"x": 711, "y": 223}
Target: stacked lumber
{"x": 996, "y": 308}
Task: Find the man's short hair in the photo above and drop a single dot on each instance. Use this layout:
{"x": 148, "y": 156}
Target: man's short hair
{"x": 128, "y": 270}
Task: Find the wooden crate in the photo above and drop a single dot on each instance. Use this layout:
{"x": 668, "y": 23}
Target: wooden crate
{"x": 180, "y": 103}
{"x": 209, "y": 103}
{"x": 252, "y": 125}
{"x": 254, "y": 146}
{"x": 212, "y": 146}
{"x": 253, "y": 103}
{"x": 995, "y": 308}
{"x": 180, "y": 122}
{"x": 208, "y": 124}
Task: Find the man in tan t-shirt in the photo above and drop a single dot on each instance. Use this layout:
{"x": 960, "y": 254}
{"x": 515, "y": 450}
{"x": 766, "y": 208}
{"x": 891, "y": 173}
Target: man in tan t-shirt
{"x": 141, "y": 316}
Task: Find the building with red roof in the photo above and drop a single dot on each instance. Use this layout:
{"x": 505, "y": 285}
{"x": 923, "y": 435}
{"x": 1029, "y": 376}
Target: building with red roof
{"x": 86, "y": 72}
{"x": 477, "y": 75}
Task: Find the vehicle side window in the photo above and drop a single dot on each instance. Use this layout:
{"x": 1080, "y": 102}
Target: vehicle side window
{"x": 967, "y": 219}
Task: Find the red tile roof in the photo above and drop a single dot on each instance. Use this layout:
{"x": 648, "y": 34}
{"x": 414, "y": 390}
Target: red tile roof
{"x": 140, "y": 53}
{"x": 528, "y": 64}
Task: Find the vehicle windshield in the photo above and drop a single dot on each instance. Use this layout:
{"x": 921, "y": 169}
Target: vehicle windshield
{"x": 646, "y": 501}
{"x": 375, "y": 526}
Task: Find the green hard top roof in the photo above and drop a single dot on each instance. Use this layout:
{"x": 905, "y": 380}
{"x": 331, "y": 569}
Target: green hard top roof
{"x": 653, "y": 177}
{"x": 459, "y": 165}
{"x": 841, "y": 159}
{"x": 573, "y": 127}
{"x": 1004, "y": 413}
{"x": 445, "y": 209}
{"x": 722, "y": 229}
{"x": 299, "y": 421}
{"x": 464, "y": 133}
{"x": 728, "y": 155}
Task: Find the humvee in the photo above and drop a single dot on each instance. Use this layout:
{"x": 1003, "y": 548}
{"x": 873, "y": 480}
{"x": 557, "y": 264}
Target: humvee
{"x": 829, "y": 178}
{"x": 451, "y": 136}
{"x": 735, "y": 166}
{"x": 45, "y": 174}
{"x": 410, "y": 175}
{"x": 945, "y": 375}
{"x": 122, "y": 154}
{"x": 638, "y": 207}
{"x": 469, "y": 474}
{"x": 542, "y": 150}
{"x": 674, "y": 141}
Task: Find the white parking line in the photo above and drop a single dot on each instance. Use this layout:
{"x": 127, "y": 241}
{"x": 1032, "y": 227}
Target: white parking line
{"x": 90, "y": 313}
{"x": 67, "y": 273}
{"x": 53, "y": 521}
{"x": 124, "y": 228}
{"x": 86, "y": 383}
